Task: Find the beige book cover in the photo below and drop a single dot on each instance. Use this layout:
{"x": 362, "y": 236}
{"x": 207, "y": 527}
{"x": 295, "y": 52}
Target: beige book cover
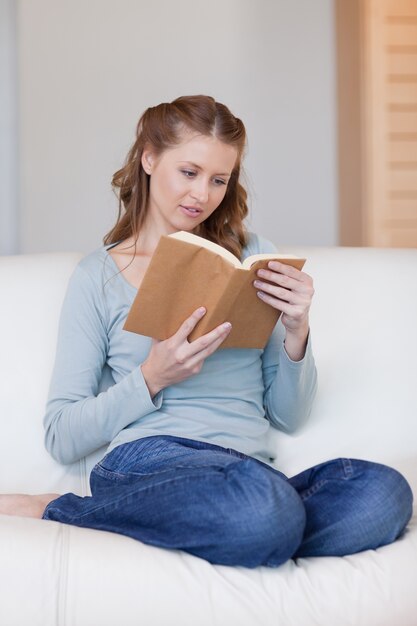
{"x": 186, "y": 272}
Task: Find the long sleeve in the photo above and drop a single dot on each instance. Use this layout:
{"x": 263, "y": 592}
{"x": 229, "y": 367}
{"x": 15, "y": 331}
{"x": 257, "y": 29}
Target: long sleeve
{"x": 290, "y": 386}
{"x": 79, "y": 417}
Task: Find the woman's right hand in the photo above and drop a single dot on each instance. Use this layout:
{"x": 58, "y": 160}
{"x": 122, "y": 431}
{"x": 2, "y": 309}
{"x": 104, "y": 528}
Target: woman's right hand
{"x": 175, "y": 359}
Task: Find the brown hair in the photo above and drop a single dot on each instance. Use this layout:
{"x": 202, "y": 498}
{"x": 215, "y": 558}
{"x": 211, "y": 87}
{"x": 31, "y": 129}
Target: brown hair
{"x": 162, "y": 127}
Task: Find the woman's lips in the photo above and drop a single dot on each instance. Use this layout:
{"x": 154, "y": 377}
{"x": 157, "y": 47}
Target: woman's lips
{"x": 190, "y": 211}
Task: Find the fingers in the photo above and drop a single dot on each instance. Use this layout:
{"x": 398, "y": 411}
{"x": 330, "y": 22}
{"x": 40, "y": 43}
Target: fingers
{"x": 189, "y": 324}
{"x": 293, "y": 286}
{"x": 291, "y": 309}
{"x": 213, "y": 338}
{"x": 190, "y": 356}
{"x": 208, "y": 342}
{"x": 298, "y": 281}
{"x": 288, "y": 270}
{"x": 175, "y": 359}
{"x": 288, "y": 295}
{"x": 278, "y": 292}
{"x": 288, "y": 290}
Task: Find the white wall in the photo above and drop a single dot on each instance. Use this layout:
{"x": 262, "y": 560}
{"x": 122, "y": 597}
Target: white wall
{"x": 9, "y": 206}
{"x": 88, "y": 68}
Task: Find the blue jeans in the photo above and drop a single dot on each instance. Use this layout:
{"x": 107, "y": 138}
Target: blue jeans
{"x": 232, "y": 509}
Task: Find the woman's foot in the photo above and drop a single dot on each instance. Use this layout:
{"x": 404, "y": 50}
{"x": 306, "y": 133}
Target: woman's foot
{"x": 24, "y": 505}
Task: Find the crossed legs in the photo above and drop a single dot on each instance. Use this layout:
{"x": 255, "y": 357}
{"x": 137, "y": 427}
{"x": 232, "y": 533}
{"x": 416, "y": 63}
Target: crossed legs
{"x": 229, "y": 508}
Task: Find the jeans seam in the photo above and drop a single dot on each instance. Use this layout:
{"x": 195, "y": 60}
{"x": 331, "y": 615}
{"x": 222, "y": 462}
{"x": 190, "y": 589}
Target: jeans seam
{"x": 123, "y": 496}
{"x": 314, "y": 489}
{"x": 107, "y": 473}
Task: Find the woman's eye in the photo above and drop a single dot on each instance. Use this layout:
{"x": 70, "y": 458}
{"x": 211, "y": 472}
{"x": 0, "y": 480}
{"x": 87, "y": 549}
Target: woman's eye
{"x": 188, "y": 173}
{"x": 219, "y": 181}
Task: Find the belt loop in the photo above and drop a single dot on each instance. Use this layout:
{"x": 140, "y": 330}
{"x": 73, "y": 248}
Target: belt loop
{"x": 348, "y": 468}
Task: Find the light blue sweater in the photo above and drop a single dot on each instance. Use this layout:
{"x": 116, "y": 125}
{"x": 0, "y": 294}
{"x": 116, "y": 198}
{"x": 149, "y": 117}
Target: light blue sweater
{"x": 98, "y": 395}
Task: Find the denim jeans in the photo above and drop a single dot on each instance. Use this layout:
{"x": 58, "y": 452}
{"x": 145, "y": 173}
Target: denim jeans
{"x": 231, "y": 509}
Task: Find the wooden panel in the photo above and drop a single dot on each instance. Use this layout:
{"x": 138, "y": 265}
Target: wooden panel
{"x": 401, "y": 62}
{"x": 402, "y": 32}
{"x": 404, "y": 237}
{"x": 401, "y": 120}
{"x": 395, "y": 237}
{"x": 401, "y": 205}
{"x": 399, "y": 7}
{"x": 391, "y": 105}
{"x": 386, "y": 41}
{"x": 402, "y": 92}
{"x": 350, "y": 155}
{"x": 402, "y": 150}
{"x": 402, "y": 177}
{"x": 375, "y": 103}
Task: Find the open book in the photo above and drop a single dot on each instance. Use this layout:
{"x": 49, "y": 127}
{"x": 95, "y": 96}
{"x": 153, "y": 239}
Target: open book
{"x": 186, "y": 272}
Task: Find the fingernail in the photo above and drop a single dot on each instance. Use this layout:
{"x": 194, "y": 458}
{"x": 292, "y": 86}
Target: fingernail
{"x": 201, "y": 310}
{"x": 227, "y": 325}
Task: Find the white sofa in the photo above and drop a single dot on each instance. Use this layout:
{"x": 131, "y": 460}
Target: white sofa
{"x": 364, "y": 330}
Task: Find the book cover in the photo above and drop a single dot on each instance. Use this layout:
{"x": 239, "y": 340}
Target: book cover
{"x": 186, "y": 272}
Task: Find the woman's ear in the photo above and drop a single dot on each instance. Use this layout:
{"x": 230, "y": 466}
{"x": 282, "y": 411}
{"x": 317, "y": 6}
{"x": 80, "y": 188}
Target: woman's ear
{"x": 147, "y": 161}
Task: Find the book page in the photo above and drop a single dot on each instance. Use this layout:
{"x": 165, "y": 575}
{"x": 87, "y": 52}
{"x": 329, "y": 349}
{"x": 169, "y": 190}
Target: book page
{"x": 209, "y": 245}
{"x": 250, "y": 260}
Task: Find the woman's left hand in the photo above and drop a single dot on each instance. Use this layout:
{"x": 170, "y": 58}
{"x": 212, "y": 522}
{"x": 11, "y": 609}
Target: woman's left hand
{"x": 291, "y": 292}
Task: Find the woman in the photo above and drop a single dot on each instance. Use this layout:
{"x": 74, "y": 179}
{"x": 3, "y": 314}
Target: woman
{"x": 188, "y": 462}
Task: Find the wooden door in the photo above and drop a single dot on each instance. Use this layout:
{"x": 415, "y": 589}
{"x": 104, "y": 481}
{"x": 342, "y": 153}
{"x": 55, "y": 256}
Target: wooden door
{"x": 377, "y": 74}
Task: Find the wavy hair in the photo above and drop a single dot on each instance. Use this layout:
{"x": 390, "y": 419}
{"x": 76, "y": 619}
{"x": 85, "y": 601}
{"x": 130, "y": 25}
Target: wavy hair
{"x": 162, "y": 127}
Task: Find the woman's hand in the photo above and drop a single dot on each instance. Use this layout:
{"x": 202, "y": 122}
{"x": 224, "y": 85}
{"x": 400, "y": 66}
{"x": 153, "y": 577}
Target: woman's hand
{"x": 175, "y": 359}
{"x": 291, "y": 292}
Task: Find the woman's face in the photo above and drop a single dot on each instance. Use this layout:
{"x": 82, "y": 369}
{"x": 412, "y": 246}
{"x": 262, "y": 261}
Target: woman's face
{"x": 187, "y": 182}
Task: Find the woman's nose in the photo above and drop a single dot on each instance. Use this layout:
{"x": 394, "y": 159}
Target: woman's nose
{"x": 200, "y": 191}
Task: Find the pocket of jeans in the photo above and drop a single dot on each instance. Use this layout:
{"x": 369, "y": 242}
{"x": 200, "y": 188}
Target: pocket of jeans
{"x": 139, "y": 457}
{"x": 117, "y": 457}
{"x": 108, "y": 474}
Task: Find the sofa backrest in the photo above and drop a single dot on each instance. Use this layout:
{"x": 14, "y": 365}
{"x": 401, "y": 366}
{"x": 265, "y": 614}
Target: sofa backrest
{"x": 32, "y": 291}
{"x": 364, "y": 335}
